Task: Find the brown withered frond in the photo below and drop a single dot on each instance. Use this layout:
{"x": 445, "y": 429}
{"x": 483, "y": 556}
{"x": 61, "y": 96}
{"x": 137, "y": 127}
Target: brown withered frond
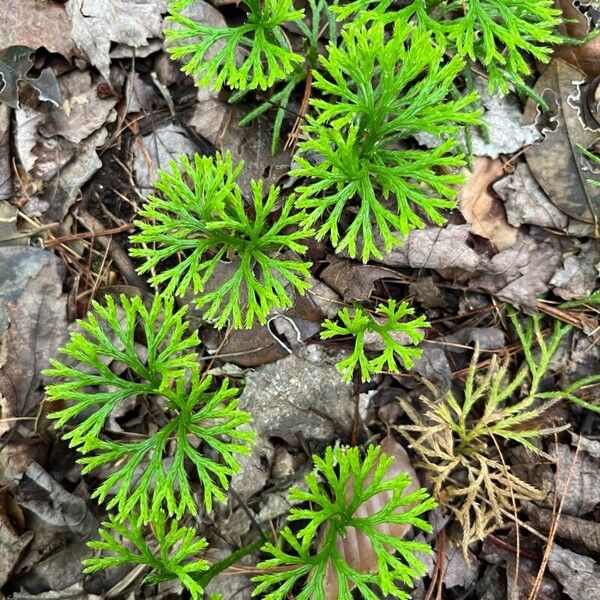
{"x": 458, "y": 442}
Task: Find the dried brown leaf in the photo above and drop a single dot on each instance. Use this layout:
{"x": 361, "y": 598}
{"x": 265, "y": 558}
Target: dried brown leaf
{"x": 557, "y": 164}
{"x": 481, "y": 208}
{"x": 97, "y": 23}
{"x": 579, "y": 575}
{"x": 580, "y": 532}
{"x": 354, "y": 281}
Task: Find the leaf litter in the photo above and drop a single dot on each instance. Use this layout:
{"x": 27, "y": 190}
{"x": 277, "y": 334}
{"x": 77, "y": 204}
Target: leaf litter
{"x": 82, "y": 137}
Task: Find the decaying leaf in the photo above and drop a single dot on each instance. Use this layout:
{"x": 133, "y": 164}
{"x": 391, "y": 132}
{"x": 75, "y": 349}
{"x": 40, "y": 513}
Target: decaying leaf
{"x": 522, "y": 273}
{"x": 97, "y": 23}
{"x": 557, "y": 164}
{"x": 579, "y": 532}
{"x": 481, "y": 208}
{"x": 579, "y": 575}
{"x": 154, "y": 151}
{"x": 585, "y": 57}
{"x": 6, "y": 183}
{"x": 525, "y": 202}
{"x": 583, "y": 492}
{"x": 33, "y": 23}
{"x": 437, "y": 248}
{"x": 15, "y": 64}
{"x": 354, "y": 281}
{"x": 293, "y": 397}
{"x": 32, "y": 321}
{"x": 577, "y": 277}
{"x": 355, "y": 547}
{"x": 12, "y": 542}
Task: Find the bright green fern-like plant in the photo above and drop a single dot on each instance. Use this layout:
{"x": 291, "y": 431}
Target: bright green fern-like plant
{"x": 376, "y": 92}
{"x": 200, "y": 220}
{"x": 389, "y": 325}
{"x": 163, "y": 371}
{"x": 339, "y": 485}
{"x": 253, "y": 55}
{"x": 502, "y": 35}
{"x": 175, "y": 555}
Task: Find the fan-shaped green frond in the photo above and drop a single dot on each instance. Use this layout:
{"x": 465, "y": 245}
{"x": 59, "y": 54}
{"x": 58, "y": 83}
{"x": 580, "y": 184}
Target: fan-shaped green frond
{"x": 253, "y": 55}
{"x": 175, "y": 555}
{"x": 150, "y": 474}
{"x": 390, "y": 325}
{"x": 92, "y": 389}
{"x": 377, "y": 91}
{"x": 198, "y": 418}
{"x": 339, "y": 485}
{"x": 200, "y": 221}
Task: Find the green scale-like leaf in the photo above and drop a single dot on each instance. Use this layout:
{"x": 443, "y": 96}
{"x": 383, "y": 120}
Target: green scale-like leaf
{"x": 150, "y": 474}
{"x": 199, "y": 220}
{"x": 176, "y": 555}
{"x": 390, "y": 323}
{"x": 249, "y": 56}
{"x": 339, "y": 485}
{"x": 378, "y": 91}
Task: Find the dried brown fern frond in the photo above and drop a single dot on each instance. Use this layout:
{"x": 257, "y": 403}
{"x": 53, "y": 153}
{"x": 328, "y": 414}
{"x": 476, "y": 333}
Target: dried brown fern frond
{"x": 458, "y": 441}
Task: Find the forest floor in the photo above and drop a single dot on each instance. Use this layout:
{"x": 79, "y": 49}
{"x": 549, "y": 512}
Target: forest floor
{"x": 74, "y": 171}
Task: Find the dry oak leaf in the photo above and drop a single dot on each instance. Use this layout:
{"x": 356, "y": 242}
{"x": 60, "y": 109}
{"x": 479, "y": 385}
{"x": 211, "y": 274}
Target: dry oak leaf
{"x": 481, "y": 208}
{"x": 97, "y": 23}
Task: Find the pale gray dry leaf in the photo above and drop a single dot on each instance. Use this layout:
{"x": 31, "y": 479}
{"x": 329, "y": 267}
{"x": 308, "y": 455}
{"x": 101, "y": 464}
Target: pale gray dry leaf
{"x": 254, "y": 472}
{"x": 526, "y": 203}
{"x": 503, "y": 118}
{"x": 294, "y": 397}
{"x": 583, "y": 493}
{"x": 45, "y": 498}
{"x": 97, "y": 23}
{"x": 487, "y": 338}
{"x": 427, "y": 292}
{"x": 437, "y": 248}
{"x": 154, "y": 151}
{"x": 577, "y": 277}
{"x": 354, "y": 281}
{"x": 236, "y": 586}
{"x": 457, "y": 571}
{"x": 6, "y": 184}
{"x": 355, "y": 547}
{"x": 521, "y": 273}
{"x": 16, "y": 63}
{"x": 62, "y": 523}
{"x": 140, "y": 96}
{"x": 34, "y": 24}
{"x": 579, "y": 575}
{"x": 433, "y": 365}
{"x": 32, "y": 321}
{"x": 26, "y": 136}
{"x": 82, "y": 112}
